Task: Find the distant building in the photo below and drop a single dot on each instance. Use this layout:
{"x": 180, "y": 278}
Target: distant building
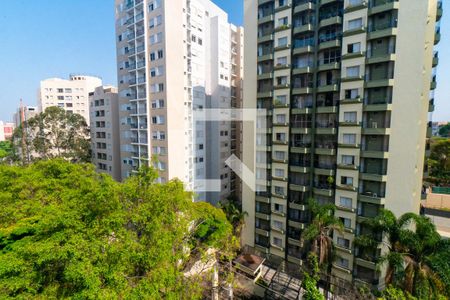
{"x": 6, "y": 130}
{"x": 436, "y": 126}
{"x": 24, "y": 113}
{"x": 105, "y": 137}
{"x": 71, "y": 95}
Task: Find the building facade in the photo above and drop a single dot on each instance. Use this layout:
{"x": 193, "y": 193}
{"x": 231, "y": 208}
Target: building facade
{"x": 24, "y": 113}
{"x": 6, "y": 131}
{"x": 175, "y": 60}
{"x": 72, "y": 95}
{"x": 347, "y": 93}
{"x": 105, "y": 135}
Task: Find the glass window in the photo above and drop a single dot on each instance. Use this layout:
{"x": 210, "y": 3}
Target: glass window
{"x": 353, "y": 71}
{"x": 345, "y": 202}
{"x": 279, "y": 172}
{"x": 278, "y": 224}
{"x": 348, "y": 159}
{"x": 350, "y": 116}
{"x": 345, "y": 180}
{"x": 282, "y": 41}
{"x": 282, "y": 60}
{"x": 349, "y": 138}
{"x": 345, "y": 221}
{"x": 351, "y": 94}
{"x": 355, "y": 24}
{"x": 280, "y": 155}
{"x": 353, "y": 48}
{"x": 277, "y": 242}
{"x": 342, "y": 262}
{"x": 343, "y": 242}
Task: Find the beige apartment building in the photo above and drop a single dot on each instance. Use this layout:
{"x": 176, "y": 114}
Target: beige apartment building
{"x": 105, "y": 135}
{"x": 347, "y": 86}
{"x": 72, "y": 95}
{"x": 177, "y": 58}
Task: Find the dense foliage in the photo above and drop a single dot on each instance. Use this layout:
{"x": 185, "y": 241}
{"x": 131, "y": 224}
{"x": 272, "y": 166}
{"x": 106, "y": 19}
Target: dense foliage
{"x": 6, "y": 149}
{"x": 416, "y": 256}
{"x": 67, "y": 232}
{"x": 444, "y": 131}
{"x": 439, "y": 161}
{"x": 54, "y": 133}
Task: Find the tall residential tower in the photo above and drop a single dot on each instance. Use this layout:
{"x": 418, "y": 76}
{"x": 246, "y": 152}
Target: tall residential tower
{"x": 175, "y": 59}
{"x": 348, "y": 87}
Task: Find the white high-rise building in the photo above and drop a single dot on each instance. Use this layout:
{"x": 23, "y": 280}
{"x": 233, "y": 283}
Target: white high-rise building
{"x": 175, "y": 58}
{"x": 72, "y": 94}
{"x": 105, "y": 137}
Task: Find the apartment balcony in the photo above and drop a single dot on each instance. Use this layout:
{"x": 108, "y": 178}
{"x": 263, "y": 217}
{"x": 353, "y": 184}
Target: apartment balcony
{"x": 332, "y": 20}
{"x": 300, "y": 187}
{"x": 265, "y": 18}
{"x": 371, "y": 195}
{"x": 282, "y": 47}
{"x": 299, "y": 182}
{"x": 296, "y": 70}
{"x": 362, "y": 4}
{"x": 265, "y": 57}
{"x": 435, "y": 59}
{"x": 376, "y": 128}
{"x": 439, "y": 11}
{"x": 323, "y": 190}
{"x": 324, "y": 2}
{"x": 140, "y": 64}
{"x": 325, "y": 148}
{"x": 328, "y": 86}
{"x": 303, "y": 28}
{"x": 300, "y": 147}
{"x": 265, "y": 94}
{"x": 431, "y": 105}
{"x": 324, "y": 169}
{"x": 327, "y": 66}
{"x": 261, "y": 2}
{"x": 329, "y": 129}
{"x": 383, "y": 30}
{"x": 301, "y": 48}
{"x": 304, "y": 5}
{"x": 262, "y": 197}
{"x": 265, "y": 38}
{"x": 379, "y": 6}
{"x": 302, "y": 90}
{"x": 355, "y": 100}
{"x": 376, "y": 83}
{"x": 433, "y": 83}
{"x": 333, "y": 43}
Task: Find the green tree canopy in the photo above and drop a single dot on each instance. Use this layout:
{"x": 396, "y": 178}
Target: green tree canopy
{"x": 444, "y": 131}
{"x": 68, "y": 232}
{"x": 6, "y": 149}
{"x": 54, "y": 133}
{"x": 439, "y": 160}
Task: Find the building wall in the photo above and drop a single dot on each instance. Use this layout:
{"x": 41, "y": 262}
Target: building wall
{"x": 72, "y": 94}
{"x": 24, "y": 113}
{"x": 105, "y": 137}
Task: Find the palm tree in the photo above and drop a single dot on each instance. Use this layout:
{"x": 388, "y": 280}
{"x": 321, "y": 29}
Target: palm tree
{"x": 318, "y": 233}
{"x": 411, "y": 241}
{"x": 235, "y": 216}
